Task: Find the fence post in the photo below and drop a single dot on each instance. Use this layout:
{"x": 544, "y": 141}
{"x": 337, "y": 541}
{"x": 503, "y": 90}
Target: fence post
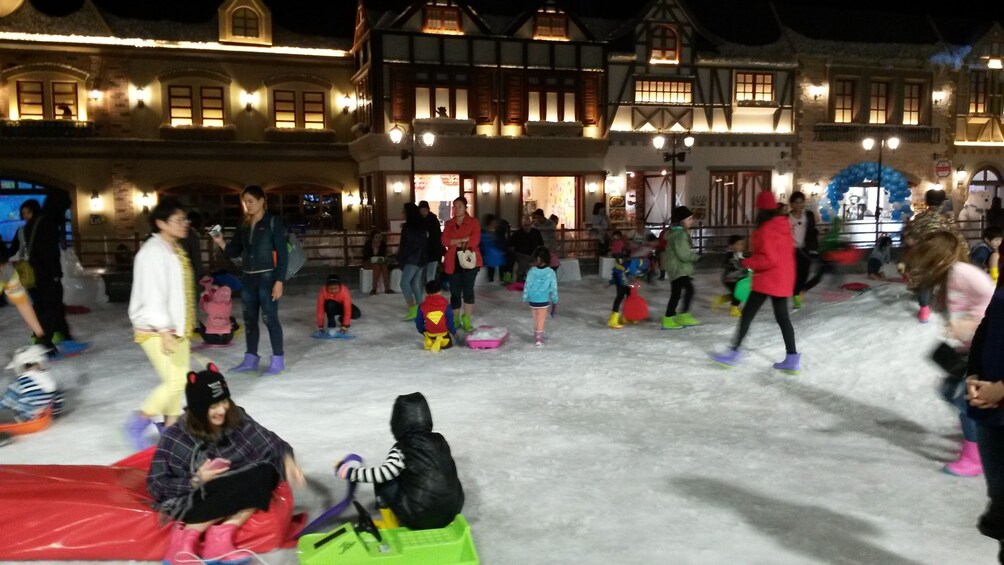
{"x": 700, "y": 238}
{"x": 345, "y": 249}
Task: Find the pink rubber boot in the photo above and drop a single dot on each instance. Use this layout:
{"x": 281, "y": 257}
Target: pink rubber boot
{"x": 968, "y": 464}
{"x": 924, "y": 314}
{"x": 219, "y": 545}
{"x": 183, "y": 547}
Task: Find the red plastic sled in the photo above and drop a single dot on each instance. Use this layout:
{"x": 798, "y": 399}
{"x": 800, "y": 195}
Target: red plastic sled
{"x": 93, "y": 512}
{"x": 29, "y": 427}
{"x": 848, "y": 256}
{"x": 635, "y": 307}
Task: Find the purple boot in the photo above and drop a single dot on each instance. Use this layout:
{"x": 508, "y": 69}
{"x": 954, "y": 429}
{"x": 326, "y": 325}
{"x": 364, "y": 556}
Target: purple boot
{"x": 730, "y": 357}
{"x": 790, "y": 363}
{"x": 134, "y": 428}
{"x": 248, "y": 365}
{"x": 276, "y": 366}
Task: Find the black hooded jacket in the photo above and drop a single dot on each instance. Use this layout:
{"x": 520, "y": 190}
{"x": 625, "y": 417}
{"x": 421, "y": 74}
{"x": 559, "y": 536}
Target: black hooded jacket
{"x": 431, "y": 494}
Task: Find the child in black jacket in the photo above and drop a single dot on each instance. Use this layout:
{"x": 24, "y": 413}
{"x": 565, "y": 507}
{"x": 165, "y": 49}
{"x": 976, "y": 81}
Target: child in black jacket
{"x": 418, "y": 480}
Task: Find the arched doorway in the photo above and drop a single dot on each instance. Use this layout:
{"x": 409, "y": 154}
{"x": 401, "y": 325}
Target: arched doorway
{"x": 55, "y": 202}
{"x": 216, "y": 204}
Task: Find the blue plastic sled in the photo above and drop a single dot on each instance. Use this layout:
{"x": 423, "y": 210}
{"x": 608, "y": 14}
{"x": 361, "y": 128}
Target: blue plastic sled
{"x": 337, "y": 335}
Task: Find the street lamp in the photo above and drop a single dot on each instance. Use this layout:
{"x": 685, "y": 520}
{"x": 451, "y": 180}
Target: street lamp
{"x": 868, "y": 143}
{"x": 673, "y": 155}
{"x": 398, "y": 136}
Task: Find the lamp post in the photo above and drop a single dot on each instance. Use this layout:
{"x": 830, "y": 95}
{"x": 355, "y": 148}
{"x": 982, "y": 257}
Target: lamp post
{"x": 673, "y": 155}
{"x": 869, "y": 144}
{"x": 427, "y": 139}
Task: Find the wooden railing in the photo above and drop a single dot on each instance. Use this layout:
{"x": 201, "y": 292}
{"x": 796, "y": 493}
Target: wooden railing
{"x": 345, "y": 248}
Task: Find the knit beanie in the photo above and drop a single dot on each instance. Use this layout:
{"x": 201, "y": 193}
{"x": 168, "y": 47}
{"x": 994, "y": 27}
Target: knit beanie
{"x": 204, "y": 389}
{"x": 679, "y": 214}
{"x": 333, "y": 279}
{"x": 766, "y": 201}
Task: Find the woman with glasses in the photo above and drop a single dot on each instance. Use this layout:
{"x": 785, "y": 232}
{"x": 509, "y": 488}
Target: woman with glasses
{"x": 162, "y": 312}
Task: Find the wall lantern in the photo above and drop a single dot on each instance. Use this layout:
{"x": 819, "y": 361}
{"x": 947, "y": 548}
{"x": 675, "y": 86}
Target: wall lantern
{"x": 485, "y": 187}
{"x": 347, "y": 104}
{"x": 94, "y": 95}
{"x": 398, "y": 187}
{"x": 249, "y": 100}
{"x": 145, "y": 200}
{"x": 142, "y": 96}
{"x": 816, "y": 91}
{"x": 995, "y": 63}
{"x": 96, "y": 208}
{"x": 508, "y": 188}
{"x": 591, "y": 187}
{"x": 938, "y": 96}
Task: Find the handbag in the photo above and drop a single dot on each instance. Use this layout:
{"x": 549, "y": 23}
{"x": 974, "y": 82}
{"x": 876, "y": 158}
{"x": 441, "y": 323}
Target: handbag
{"x": 25, "y": 272}
{"x": 466, "y": 258}
{"x": 951, "y": 361}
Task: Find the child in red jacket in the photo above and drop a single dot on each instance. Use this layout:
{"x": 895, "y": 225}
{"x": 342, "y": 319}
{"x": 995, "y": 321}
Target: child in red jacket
{"x": 335, "y": 304}
{"x": 435, "y": 319}
{"x": 773, "y": 265}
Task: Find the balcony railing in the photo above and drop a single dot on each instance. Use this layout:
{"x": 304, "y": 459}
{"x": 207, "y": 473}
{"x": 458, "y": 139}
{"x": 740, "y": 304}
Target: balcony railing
{"x": 46, "y": 128}
{"x": 857, "y": 132}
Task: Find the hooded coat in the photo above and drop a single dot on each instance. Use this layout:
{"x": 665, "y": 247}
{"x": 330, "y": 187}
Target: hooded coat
{"x": 772, "y": 261}
{"x": 431, "y": 493}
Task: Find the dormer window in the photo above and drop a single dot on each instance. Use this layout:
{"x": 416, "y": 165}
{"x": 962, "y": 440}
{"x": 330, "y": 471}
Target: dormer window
{"x": 550, "y": 23}
{"x": 754, "y": 88}
{"x": 664, "y": 45}
{"x": 441, "y": 16}
{"x": 245, "y": 23}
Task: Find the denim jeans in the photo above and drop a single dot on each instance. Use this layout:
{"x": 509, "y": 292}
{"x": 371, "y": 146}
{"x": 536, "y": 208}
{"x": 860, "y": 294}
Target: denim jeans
{"x": 954, "y": 392}
{"x": 430, "y": 270}
{"x": 413, "y": 282}
{"x": 256, "y": 293}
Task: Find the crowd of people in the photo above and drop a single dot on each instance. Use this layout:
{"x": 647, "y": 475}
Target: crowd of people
{"x": 215, "y": 466}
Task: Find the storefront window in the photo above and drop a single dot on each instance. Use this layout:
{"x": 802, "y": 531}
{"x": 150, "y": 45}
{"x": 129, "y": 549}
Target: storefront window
{"x": 553, "y": 195}
{"x": 440, "y": 191}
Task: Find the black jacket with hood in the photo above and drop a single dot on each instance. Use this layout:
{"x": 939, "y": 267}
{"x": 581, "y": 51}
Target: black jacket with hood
{"x": 431, "y": 493}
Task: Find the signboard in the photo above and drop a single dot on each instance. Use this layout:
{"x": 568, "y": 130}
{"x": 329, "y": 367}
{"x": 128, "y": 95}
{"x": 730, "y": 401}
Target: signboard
{"x": 943, "y": 169}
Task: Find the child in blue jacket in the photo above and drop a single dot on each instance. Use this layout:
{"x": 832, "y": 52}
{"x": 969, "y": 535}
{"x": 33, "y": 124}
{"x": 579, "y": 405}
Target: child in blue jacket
{"x": 541, "y": 291}
{"x": 626, "y": 272}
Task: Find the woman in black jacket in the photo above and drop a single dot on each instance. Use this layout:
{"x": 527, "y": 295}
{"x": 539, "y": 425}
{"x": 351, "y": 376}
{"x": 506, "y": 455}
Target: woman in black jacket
{"x": 411, "y": 254}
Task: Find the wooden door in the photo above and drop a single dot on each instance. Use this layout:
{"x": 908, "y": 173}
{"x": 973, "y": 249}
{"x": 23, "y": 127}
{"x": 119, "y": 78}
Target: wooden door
{"x": 733, "y": 195}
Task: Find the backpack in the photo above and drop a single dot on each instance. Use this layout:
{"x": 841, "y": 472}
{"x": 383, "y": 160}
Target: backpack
{"x": 296, "y": 257}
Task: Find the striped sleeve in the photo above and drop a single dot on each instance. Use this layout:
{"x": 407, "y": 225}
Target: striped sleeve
{"x": 27, "y": 398}
{"x": 386, "y": 471}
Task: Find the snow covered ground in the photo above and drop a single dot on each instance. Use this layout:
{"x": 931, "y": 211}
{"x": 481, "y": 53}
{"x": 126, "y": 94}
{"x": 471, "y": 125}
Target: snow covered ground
{"x": 607, "y": 446}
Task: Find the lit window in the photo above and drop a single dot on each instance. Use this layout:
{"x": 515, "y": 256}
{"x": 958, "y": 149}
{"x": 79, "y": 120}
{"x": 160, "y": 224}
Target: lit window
{"x": 665, "y": 45}
{"x": 843, "y": 101}
{"x": 30, "y": 105}
{"x": 245, "y": 23}
{"x": 663, "y": 92}
{"x": 441, "y": 16}
{"x": 878, "y": 108}
{"x": 179, "y": 100}
{"x": 978, "y": 92}
{"x": 754, "y": 87}
{"x": 551, "y": 100}
{"x": 64, "y": 100}
{"x": 305, "y": 110}
{"x": 550, "y": 23}
{"x": 211, "y": 100}
{"x": 911, "y": 104}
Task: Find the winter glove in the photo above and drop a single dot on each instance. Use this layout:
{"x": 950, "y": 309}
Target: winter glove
{"x": 344, "y": 468}
{"x": 343, "y": 329}
{"x": 554, "y": 310}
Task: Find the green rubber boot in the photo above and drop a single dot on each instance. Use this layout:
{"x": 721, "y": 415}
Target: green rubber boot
{"x": 412, "y": 312}
{"x": 465, "y": 322}
{"x": 668, "y": 323}
{"x": 685, "y": 319}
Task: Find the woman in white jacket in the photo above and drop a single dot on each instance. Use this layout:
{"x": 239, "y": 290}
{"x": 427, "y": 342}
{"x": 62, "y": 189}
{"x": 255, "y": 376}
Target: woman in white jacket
{"x": 162, "y": 312}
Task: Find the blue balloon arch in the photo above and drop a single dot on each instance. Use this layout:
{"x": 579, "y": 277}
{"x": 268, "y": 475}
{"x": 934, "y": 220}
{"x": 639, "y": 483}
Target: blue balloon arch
{"x": 893, "y": 183}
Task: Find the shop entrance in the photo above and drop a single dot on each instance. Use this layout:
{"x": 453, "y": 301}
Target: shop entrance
{"x": 439, "y": 190}
{"x": 553, "y": 195}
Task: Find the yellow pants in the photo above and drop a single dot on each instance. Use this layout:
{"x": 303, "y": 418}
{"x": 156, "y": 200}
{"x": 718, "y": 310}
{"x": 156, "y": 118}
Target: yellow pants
{"x": 165, "y": 400}
{"x": 436, "y": 341}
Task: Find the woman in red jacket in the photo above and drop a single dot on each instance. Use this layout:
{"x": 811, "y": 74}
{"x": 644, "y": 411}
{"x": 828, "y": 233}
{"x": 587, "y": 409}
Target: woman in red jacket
{"x": 773, "y": 265}
{"x": 461, "y": 233}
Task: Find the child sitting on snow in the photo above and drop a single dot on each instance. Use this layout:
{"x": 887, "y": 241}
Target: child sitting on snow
{"x": 986, "y": 253}
{"x": 215, "y": 302}
{"x": 33, "y": 391}
{"x": 733, "y": 272}
{"x": 335, "y": 303}
{"x": 418, "y": 480}
{"x": 881, "y": 255}
{"x": 435, "y": 318}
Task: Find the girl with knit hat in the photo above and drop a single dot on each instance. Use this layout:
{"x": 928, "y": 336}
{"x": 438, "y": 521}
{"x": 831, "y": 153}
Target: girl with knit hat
{"x": 773, "y": 265}
{"x": 213, "y": 469}
{"x": 678, "y": 261}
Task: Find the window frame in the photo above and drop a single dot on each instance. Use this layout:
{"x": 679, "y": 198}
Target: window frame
{"x": 442, "y": 8}
{"x": 661, "y": 44}
{"x": 222, "y": 108}
{"x": 541, "y": 31}
{"x": 73, "y": 99}
{"x": 840, "y": 98}
{"x": 21, "y": 104}
{"x": 879, "y": 107}
{"x": 667, "y": 96}
{"x": 175, "y": 92}
{"x": 913, "y": 103}
{"x": 302, "y": 119}
{"x": 236, "y": 30}
{"x": 979, "y": 91}
{"x": 561, "y": 92}
{"x": 754, "y": 88}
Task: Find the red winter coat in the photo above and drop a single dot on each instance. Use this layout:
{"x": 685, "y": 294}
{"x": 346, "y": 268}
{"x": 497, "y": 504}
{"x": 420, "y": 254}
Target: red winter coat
{"x": 773, "y": 261}
{"x": 469, "y": 228}
{"x": 342, "y": 296}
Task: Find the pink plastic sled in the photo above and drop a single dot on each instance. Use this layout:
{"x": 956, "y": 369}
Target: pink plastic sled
{"x": 490, "y": 338}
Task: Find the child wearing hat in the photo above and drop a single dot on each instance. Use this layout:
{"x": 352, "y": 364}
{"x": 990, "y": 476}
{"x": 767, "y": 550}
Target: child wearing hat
{"x": 773, "y": 266}
{"x": 435, "y": 318}
{"x": 418, "y": 479}
{"x": 678, "y": 261}
{"x": 33, "y": 391}
{"x": 212, "y": 470}
{"x": 335, "y": 304}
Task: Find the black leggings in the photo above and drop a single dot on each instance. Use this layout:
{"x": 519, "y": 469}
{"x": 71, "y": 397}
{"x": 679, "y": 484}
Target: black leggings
{"x": 731, "y": 285}
{"x": 684, "y": 286}
{"x": 462, "y": 287}
{"x": 227, "y": 495}
{"x": 780, "y": 304}
{"x": 622, "y": 292}
{"x": 803, "y": 263}
{"x": 334, "y": 311}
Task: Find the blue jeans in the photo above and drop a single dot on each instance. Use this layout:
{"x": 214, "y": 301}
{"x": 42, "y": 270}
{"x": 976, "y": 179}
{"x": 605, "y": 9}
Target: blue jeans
{"x": 430, "y": 270}
{"x": 256, "y": 293}
{"x": 954, "y": 392}
{"x": 413, "y": 282}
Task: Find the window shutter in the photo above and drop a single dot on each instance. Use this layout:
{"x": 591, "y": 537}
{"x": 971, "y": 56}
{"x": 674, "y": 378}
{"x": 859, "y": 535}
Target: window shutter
{"x": 590, "y": 100}
{"x": 483, "y": 98}
{"x": 514, "y": 99}
{"x": 402, "y": 96}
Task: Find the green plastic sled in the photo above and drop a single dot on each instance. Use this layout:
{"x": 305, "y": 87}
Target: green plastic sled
{"x": 452, "y": 544}
{"x": 743, "y": 288}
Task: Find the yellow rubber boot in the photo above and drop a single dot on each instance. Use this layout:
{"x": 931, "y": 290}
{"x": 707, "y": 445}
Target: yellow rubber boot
{"x": 614, "y": 322}
{"x": 735, "y": 312}
{"x": 387, "y": 521}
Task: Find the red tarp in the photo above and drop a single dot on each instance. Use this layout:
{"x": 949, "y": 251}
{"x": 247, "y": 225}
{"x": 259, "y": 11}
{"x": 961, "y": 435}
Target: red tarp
{"x": 92, "y": 512}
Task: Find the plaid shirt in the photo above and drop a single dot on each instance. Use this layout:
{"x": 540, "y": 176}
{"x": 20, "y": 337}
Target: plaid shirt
{"x": 179, "y": 455}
